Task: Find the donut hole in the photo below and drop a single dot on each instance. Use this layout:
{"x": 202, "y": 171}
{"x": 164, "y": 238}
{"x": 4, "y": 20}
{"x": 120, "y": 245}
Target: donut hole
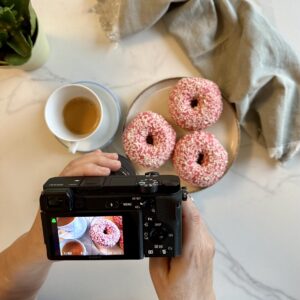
{"x": 149, "y": 139}
{"x": 200, "y": 158}
{"x": 194, "y": 102}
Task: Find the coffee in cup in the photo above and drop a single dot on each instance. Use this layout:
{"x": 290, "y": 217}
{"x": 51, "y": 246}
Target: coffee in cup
{"x": 81, "y": 115}
{"x": 63, "y": 221}
{"x": 73, "y": 247}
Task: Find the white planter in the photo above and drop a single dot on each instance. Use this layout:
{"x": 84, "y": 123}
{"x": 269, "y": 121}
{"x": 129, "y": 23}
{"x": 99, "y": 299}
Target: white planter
{"x": 39, "y": 54}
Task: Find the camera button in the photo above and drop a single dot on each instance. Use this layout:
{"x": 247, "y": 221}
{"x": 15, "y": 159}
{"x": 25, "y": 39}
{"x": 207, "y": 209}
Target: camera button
{"x": 163, "y": 251}
{"x": 112, "y": 204}
{"x": 158, "y": 224}
{"x": 158, "y": 235}
{"x": 150, "y": 252}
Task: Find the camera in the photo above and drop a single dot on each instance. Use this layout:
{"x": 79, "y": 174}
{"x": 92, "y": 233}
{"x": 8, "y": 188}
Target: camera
{"x": 112, "y": 217}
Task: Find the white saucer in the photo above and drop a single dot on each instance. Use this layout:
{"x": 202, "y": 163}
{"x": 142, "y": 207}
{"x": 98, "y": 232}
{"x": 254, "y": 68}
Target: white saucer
{"x": 111, "y": 119}
{"x": 77, "y": 231}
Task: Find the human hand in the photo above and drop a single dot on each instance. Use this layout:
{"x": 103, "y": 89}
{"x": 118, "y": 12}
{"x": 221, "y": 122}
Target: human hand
{"x": 189, "y": 276}
{"x": 24, "y": 265}
{"x": 96, "y": 163}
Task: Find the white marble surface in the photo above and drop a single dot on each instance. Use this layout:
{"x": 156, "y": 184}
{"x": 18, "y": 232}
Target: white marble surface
{"x": 253, "y": 212}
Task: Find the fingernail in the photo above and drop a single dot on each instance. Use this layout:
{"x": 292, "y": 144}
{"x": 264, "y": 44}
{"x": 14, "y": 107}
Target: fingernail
{"x": 105, "y": 171}
{"x": 117, "y": 163}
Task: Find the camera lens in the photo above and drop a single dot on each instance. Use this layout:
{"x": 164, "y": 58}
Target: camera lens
{"x": 126, "y": 169}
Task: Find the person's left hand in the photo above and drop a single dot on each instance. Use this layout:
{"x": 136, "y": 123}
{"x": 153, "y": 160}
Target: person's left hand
{"x": 24, "y": 265}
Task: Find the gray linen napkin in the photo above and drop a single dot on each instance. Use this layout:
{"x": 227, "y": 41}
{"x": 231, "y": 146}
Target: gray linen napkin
{"x": 231, "y": 43}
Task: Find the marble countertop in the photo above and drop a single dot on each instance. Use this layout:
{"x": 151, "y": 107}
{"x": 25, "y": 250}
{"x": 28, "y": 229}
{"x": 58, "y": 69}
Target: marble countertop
{"x": 253, "y": 212}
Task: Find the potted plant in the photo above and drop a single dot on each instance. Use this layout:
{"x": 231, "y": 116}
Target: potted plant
{"x": 20, "y": 35}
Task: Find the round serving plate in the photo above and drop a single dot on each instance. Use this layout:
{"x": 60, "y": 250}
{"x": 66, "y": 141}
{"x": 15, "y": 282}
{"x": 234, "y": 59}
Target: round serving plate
{"x": 155, "y": 98}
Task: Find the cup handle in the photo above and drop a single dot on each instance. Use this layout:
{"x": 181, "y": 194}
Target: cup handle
{"x": 73, "y": 147}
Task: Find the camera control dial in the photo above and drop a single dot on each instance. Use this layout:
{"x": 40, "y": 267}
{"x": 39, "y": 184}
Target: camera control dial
{"x": 148, "y": 185}
{"x": 157, "y": 235}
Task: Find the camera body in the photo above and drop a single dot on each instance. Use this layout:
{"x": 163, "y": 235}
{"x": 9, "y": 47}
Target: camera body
{"x": 114, "y": 217}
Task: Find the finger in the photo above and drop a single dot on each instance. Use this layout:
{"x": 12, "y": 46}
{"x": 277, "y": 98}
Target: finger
{"x": 107, "y": 154}
{"x": 111, "y": 155}
{"x": 159, "y": 267}
{"x": 191, "y": 226}
{"x": 88, "y": 169}
{"x": 98, "y": 158}
{"x": 89, "y": 156}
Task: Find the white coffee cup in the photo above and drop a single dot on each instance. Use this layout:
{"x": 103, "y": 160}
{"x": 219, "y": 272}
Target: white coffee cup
{"x": 74, "y": 229}
{"x": 54, "y": 113}
{"x": 64, "y": 246}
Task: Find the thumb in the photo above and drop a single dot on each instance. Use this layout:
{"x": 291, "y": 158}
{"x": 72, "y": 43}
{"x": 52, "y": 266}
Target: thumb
{"x": 159, "y": 267}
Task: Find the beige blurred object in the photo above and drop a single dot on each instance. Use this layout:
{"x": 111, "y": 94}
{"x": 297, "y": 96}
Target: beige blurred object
{"x": 109, "y": 14}
{"x": 233, "y": 44}
{"x": 114, "y": 15}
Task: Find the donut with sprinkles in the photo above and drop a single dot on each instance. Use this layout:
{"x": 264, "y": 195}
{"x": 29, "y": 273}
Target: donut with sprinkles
{"x": 200, "y": 159}
{"x": 195, "y": 103}
{"x": 104, "y": 232}
{"x": 149, "y": 140}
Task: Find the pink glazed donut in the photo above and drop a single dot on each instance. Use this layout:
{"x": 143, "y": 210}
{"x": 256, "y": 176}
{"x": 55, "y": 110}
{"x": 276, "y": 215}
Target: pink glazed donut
{"x": 195, "y": 103}
{"x": 200, "y": 159}
{"x": 149, "y": 140}
{"x": 104, "y": 232}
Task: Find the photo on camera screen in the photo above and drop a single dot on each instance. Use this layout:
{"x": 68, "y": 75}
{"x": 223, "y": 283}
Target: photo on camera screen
{"x": 99, "y": 235}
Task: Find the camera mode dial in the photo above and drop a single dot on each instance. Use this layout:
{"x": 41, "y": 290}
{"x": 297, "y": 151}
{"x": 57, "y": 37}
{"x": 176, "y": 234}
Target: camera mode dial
{"x": 152, "y": 173}
{"x": 148, "y": 185}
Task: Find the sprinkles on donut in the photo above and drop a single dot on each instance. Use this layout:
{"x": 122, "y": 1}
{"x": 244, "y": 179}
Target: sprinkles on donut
{"x": 195, "y": 103}
{"x": 149, "y": 140}
{"x": 118, "y": 220}
{"x": 104, "y": 232}
{"x": 200, "y": 159}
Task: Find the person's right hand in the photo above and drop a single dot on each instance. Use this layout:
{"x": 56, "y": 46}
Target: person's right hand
{"x": 189, "y": 276}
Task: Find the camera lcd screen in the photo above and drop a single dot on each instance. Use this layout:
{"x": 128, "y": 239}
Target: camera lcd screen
{"x": 90, "y": 235}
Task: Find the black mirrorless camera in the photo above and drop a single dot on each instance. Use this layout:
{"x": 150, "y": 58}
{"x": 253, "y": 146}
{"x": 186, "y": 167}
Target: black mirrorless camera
{"x": 114, "y": 217}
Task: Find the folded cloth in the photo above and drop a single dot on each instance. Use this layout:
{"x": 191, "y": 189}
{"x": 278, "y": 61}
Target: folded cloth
{"x": 231, "y": 43}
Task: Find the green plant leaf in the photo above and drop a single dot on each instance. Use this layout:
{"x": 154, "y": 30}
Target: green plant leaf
{"x": 18, "y": 28}
{"x": 6, "y": 2}
{"x": 3, "y": 63}
{"x": 15, "y": 60}
{"x": 7, "y": 19}
{"x": 19, "y": 44}
{"x": 3, "y": 38}
{"x": 20, "y": 6}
